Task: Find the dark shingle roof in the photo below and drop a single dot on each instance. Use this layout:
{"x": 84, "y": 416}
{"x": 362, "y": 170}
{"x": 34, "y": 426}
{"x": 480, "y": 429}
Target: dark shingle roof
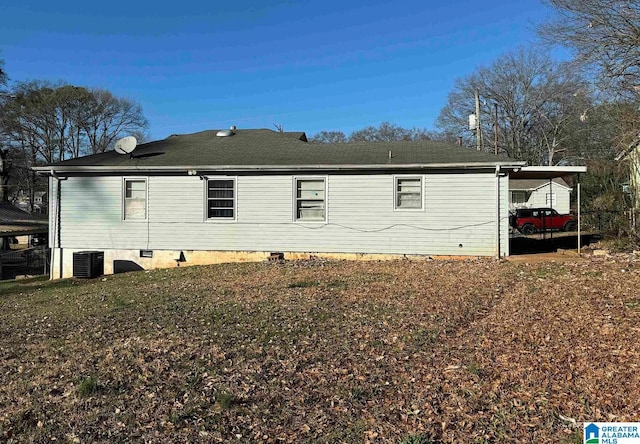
{"x": 10, "y": 214}
{"x": 532, "y": 184}
{"x": 263, "y": 148}
{"x": 15, "y": 222}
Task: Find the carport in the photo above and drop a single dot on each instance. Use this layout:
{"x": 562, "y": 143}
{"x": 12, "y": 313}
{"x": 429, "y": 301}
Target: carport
{"x": 15, "y": 223}
{"x": 567, "y": 173}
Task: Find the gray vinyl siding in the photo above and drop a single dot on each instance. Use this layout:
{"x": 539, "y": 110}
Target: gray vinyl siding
{"x": 458, "y": 209}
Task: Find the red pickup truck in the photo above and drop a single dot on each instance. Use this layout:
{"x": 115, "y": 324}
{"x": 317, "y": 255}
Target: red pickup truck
{"x": 530, "y": 220}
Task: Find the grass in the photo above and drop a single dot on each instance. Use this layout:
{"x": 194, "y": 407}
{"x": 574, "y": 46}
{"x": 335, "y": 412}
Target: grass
{"x": 416, "y": 439}
{"x": 225, "y": 400}
{"x": 88, "y": 386}
{"x": 399, "y": 352}
{"x": 303, "y": 284}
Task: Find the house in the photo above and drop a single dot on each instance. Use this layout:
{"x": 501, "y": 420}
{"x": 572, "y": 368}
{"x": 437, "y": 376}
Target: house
{"x": 535, "y": 193}
{"x": 238, "y": 195}
{"x": 23, "y": 201}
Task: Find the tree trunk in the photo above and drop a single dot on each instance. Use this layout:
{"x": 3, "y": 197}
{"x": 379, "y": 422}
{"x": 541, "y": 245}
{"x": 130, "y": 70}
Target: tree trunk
{"x": 4, "y": 176}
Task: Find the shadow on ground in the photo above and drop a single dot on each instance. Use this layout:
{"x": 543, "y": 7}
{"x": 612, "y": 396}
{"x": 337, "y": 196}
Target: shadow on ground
{"x": 536, "y": 244}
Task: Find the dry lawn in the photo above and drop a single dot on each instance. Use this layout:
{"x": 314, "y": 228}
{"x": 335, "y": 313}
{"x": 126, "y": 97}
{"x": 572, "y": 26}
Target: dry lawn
{"x": 410, "y": 352}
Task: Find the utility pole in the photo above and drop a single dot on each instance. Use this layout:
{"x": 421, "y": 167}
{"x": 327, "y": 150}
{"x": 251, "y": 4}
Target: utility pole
{"x": 478, "y": 127}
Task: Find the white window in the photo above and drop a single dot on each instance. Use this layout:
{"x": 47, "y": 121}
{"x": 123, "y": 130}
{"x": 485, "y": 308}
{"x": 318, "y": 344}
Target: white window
{"x": 408, "y": 193}
{"x": 135, "y": 199}
{"x": 551, "y": 199}
{"x": 518, "y": 197}
{"x": 221, "y": 199}
{"x": 310, "y": 199}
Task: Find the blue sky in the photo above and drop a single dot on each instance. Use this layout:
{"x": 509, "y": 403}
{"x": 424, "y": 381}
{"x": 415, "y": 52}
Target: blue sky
{"x": 306, "y": 65}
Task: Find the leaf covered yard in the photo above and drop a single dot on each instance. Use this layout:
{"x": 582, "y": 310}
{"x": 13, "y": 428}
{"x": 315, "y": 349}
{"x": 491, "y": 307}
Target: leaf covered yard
{"x": 472, "y": 351}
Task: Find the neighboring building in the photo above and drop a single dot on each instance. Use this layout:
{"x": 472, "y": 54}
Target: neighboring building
{"x": 245, "y": 194}
{"x": 40, "y": 203}
{"x": 540, "y": 193}
{"x": 15, "y": 222}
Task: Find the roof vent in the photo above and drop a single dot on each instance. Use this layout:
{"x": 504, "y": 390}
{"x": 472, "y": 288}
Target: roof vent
{"x": 225, "y": 133}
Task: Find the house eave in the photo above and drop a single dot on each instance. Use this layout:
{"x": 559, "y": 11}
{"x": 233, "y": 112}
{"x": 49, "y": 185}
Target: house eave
{"x": 58, "y": 169}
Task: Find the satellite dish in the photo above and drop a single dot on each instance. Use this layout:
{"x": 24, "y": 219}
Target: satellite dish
{"x": 126, "y": 145}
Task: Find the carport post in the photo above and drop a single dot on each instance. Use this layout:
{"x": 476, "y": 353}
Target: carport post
{"x": 551, "y": 203}
{"x": 498, "y": 211}
{"x": 579, "y": 212}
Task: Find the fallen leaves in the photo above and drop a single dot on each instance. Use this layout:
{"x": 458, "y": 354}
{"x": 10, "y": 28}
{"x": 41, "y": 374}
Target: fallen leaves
{"x": 324, "y": 352}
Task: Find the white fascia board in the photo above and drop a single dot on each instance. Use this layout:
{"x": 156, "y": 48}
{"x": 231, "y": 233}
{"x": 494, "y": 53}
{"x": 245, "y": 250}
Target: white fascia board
{"x": 270, "y": 168}
{"x": 554, "y": 169}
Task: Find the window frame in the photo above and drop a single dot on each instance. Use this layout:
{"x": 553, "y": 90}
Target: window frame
{"x": 124, "y": 198}
{"x": 398, "y": 177}
{"x": 551, "y": 199}
{"x": 325, "y": 180}
{"x": 206, "y": 180}
{"x": 519, "y": 193}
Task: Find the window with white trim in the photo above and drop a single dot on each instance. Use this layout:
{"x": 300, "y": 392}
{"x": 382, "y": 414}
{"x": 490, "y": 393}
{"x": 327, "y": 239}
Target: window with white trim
{"x": 221, "y": 198}
{"x": 408, "y": 193}
{"x": 135, "y": 199}
{"x": 310, "y": 199}
{"x": 551, "y": 199}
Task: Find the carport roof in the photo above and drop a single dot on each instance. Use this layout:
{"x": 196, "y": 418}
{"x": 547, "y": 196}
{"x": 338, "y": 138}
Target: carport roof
{"x": 16, "y": 222}
{"x": 547, "y": 172}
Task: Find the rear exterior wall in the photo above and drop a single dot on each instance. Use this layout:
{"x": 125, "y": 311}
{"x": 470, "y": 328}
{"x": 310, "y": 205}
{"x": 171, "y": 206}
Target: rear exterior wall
{"x": 458, "y": 216}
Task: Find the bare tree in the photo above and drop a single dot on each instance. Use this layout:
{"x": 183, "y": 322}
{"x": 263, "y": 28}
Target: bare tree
{"x": 65, "y": 121}
{"x": 385, "y": 132}
{"x": 535, "y": 98}
{"x": 388, "y": 132}
{"x": 3, "y": 74}
{"x": 48, "y": 122}
{"x": 4, "y": 145}
{"x": 329, "y": 137}
{"x": 107, "y": 118}
{"x": 604, "y": 34}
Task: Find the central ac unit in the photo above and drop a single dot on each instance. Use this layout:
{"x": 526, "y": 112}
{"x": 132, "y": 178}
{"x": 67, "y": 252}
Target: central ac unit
{"x": 88, "y": 264}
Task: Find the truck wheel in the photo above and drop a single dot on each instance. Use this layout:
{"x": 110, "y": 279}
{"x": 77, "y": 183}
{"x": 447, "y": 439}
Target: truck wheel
{"x": 528, "y": 229}
{"x": 570, "y": 226}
